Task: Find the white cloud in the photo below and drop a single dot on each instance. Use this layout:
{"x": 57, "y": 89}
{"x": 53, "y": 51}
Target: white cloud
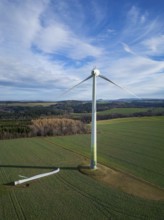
{"x": 155, "y": 45}
{"x": 35, "y": 33}
{"x": 19, "y": 21}
{"x": 22, "y": 68}
{"x": 139, "y": 25}
{"x": 110, "y": 30}
{"x": 127, "y": 48}
{"x": 138, "y": 74}
{"x": 52, "y": 38}
{"x": 133, "y": 14}
{"x": 58, "y": 38}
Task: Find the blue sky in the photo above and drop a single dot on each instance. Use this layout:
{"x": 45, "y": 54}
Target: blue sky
{"x": 46, "y": 47}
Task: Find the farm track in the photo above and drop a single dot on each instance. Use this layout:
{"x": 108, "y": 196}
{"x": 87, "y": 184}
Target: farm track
{"x": 99, "y": 204}
{"x": 17, "y": 207}
{"x": 82, "y": 193}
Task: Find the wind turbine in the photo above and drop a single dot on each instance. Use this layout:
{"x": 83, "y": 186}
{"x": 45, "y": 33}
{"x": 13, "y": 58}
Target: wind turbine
{"x": 94, "y": 74}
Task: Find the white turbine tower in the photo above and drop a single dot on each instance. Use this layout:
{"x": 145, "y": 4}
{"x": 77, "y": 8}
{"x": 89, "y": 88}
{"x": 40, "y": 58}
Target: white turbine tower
{"x": 95, "y": 73}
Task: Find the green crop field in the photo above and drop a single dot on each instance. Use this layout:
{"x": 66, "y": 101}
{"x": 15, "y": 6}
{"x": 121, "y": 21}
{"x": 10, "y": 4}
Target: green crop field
{"x": 124, "y": 111}
{"x": 134, "y": 145}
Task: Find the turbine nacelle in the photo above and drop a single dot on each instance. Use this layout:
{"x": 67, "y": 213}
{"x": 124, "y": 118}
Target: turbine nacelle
{"x": 95, "y": 72}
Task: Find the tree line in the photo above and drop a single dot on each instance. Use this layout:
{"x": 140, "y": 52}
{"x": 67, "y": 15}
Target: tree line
{"x": 87, "y": 118}
{"x": 42, "y": 127}
{"x": 70, "y": 107}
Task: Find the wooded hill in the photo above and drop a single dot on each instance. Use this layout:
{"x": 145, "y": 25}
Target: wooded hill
{"x": 25, "y": 119}
{"x": 33, "y": 110}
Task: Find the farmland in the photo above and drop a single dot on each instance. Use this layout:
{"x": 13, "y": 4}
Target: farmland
{"x": 79, "y": 109}
{"x": 133, "y": 145}
{"x": 127, "y": 111}
{"x": 124, "y": 111}
{"x": 15, "y": 117}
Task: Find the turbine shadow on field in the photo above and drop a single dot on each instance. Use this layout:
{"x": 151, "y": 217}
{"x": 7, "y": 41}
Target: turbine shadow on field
{"x": 38, "y": 167}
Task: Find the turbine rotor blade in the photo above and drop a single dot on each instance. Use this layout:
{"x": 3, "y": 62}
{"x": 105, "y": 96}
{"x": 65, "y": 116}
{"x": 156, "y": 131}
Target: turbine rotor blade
{"x": 75, "y": 86}
{"x": 103, "y": 77}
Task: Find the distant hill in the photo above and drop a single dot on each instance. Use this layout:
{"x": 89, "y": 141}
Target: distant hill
{"x": 31, "y": 110}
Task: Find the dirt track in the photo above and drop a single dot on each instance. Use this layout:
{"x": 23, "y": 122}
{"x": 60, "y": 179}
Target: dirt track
{"x": 126, "y": 182}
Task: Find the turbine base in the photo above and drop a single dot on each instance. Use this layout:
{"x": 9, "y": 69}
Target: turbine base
{"x": 93, "y": 165}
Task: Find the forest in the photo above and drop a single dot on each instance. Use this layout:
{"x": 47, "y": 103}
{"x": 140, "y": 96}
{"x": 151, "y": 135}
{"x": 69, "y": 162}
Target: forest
{"x": 18, "y": 119}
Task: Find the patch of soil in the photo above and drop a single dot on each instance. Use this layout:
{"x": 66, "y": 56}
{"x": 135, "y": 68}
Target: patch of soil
{"x": 125, "y": 182}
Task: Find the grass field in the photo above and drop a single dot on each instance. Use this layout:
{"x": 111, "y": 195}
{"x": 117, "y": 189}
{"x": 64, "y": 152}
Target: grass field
{"x": 124, "y": 111}
{"x": 134, "y": 145}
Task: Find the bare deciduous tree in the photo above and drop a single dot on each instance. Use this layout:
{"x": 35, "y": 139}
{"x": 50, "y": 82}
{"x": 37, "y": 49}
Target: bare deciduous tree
{"x": 54, "y": 126}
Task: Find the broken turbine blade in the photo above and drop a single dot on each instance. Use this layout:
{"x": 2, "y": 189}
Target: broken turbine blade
{"x": 103, "y": 77}
{"x": 25, "y": 177}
